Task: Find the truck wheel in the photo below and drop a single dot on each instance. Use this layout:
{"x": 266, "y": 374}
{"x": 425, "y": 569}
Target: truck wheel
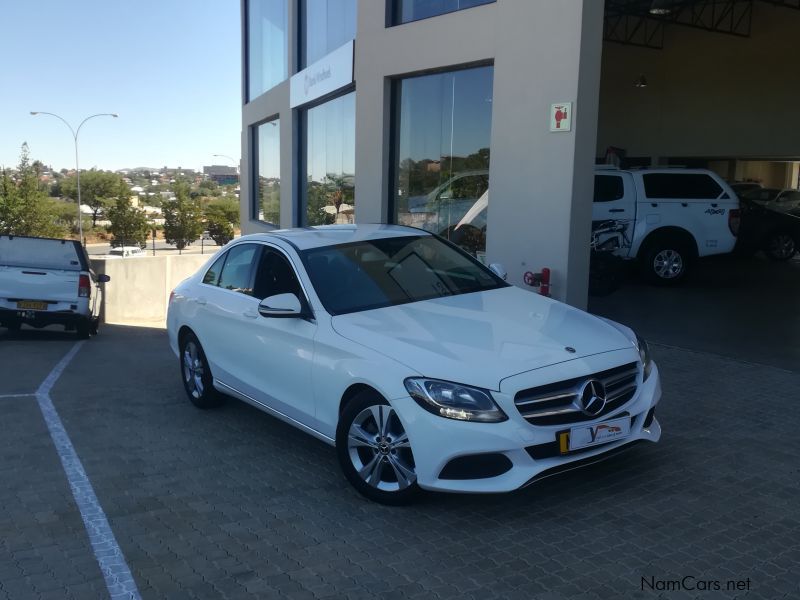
{"x": 83, "y": 329}
{"x": 780, "y": 246}
{"x": 665, "y": 262}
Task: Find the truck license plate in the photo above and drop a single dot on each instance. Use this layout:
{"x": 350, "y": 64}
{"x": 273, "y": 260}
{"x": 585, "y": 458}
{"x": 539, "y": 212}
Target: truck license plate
{"x": 31, "y": 305}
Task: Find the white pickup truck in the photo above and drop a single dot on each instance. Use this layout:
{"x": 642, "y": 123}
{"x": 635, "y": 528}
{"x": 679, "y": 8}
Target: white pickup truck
{"x": 665, "y": 218}
{"x": 47, "y": 281}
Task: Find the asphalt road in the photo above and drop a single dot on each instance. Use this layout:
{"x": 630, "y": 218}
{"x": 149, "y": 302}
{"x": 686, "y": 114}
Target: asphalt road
{"x": 231, "y": 503}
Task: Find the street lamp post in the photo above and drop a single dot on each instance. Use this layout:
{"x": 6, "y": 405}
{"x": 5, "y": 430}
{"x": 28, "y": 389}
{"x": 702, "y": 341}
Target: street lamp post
{"x": 230, "y": 158}
{"x": 75, "y": 133}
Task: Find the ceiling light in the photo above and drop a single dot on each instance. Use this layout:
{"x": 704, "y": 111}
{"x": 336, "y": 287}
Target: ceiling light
{"x": 661, "y": 7}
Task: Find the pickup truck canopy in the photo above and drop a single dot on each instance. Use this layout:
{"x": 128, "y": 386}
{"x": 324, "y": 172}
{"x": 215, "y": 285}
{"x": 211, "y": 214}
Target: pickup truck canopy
{"x": 42, "y": 253}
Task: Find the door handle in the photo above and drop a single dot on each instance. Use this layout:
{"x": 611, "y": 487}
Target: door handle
{"x": 200, "y": 301}
{"x": 617, "y": 210}
{"x": 250, "y": 314}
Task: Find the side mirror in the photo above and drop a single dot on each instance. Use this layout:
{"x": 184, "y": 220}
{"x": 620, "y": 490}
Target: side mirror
{"x": 499, "y": 270}
{"x": 103, "y": 278}
{"x": 281, "y": 306}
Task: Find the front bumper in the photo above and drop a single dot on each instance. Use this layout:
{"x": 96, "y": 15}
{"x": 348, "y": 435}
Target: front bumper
{"x": 436, "y": 441}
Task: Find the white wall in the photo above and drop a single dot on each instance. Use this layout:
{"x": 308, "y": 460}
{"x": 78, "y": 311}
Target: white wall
{"x": 138, "y": 292}
{"x": 708, "y": 94}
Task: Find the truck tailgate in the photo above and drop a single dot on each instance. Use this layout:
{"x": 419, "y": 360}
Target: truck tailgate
{"x": 46, "y": 285}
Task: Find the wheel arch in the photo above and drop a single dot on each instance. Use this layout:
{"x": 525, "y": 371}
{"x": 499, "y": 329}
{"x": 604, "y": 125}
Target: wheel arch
{"x": 183, "y": 332}
{"x": 354, "y": 390}
{"x": 669, "y": 233}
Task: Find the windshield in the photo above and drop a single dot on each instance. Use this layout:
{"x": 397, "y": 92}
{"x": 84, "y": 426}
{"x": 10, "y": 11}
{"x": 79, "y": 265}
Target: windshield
{"x": 391, "y": 271}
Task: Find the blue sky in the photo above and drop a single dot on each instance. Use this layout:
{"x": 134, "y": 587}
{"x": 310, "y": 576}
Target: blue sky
{"x": 170, "y": 68}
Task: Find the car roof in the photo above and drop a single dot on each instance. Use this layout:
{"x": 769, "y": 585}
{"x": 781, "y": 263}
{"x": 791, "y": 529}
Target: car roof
{"x": 305, "y": 238}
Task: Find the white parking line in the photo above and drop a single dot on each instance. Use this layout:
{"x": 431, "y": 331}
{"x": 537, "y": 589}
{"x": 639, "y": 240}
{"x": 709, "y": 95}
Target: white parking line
{"x": 116, "y": 573}
{"x": 16, "y": 396}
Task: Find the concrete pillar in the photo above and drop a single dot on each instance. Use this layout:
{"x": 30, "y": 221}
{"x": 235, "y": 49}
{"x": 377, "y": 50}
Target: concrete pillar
{"x": 541, "y": 183}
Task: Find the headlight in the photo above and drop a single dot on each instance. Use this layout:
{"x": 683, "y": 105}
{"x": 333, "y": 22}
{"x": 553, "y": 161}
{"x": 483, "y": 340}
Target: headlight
{"x": 644, "y": 355}
{"x": 454, "y": 401}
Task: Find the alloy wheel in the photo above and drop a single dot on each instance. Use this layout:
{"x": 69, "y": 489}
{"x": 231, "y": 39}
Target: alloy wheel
{"x": 668, "y": 264}
{"x": 782, "y": 246}
{"x": 379, "y": 450}
{"x": 193, "y": 370}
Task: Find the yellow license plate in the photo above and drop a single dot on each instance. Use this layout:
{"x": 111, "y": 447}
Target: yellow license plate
{"x": 30, "y": 305}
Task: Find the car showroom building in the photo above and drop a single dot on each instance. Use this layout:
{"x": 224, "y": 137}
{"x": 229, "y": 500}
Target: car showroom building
{"x": 408, "y": 111}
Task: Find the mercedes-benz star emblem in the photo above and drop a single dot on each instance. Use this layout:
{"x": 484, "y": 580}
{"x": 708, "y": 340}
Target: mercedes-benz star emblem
{"x": 593, "y": 397}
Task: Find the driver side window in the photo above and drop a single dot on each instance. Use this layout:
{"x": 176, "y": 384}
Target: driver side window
{"x": 275, "y": 275}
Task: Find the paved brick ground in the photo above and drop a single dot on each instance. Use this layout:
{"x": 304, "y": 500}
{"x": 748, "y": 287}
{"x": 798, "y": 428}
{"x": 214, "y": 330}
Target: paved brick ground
{"x": 234, "y": 504}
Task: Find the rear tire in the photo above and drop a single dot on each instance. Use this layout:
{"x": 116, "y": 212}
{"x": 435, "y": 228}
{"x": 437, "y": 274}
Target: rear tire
{"x": 374, "y": 451}
{"x": 83, "y": 330}
{"x": 665, "y": 261}
{"x": 196, "y": 374}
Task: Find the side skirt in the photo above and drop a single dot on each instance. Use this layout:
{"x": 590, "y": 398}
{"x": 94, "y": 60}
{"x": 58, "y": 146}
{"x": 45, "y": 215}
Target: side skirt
{"x": 225, "y": 388}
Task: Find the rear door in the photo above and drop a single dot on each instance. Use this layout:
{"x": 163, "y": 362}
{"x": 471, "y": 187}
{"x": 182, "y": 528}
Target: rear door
{"x": 224, "y": 294}
{"x": 614, "y": 201}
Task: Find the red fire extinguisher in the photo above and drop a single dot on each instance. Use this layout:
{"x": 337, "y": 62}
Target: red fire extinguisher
{"x": 539, "y": 280}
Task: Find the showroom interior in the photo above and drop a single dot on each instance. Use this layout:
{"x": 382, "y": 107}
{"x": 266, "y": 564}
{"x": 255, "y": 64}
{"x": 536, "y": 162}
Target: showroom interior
{"x": 395, "y": 111}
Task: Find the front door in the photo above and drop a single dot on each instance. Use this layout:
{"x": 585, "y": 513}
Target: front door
{"x": 276, "y": 368}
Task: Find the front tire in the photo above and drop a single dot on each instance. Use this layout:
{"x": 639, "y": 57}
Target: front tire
{"x": 374, "y": 451}
{"x": 665, "y": 262}
{"x": 196, "y": 374}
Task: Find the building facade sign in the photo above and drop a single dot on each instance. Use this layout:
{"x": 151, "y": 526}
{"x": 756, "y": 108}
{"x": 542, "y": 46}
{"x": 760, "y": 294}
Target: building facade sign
{"x": 561, "y": 117}
{"x": 327, "y": 75}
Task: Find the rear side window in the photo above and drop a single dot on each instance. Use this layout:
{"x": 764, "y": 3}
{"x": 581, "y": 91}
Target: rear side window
{"x": 238, "y": 269}
{"x": 694, "y": 186}
{"x": 608, "y": 188}
{"x": 42, "y": 253}
{"x": 212, "y": 275}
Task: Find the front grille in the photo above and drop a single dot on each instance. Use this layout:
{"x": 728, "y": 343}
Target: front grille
{"x": 559, "y": 403}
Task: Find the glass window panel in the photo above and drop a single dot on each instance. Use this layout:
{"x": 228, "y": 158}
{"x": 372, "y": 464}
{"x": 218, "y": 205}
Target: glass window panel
{"x": 442, "y": 135}
{"x": 327, "y": 24}
{"x": 414, "y": 10}
{"x": 608, "y": 188}
{"x": 330, "y": 162}
{"x": 268, "y": 46}
{"x": 268, "y": 191}
{"x": 212, "y": 275}
{"x": 237, "y": 272}
{"x": 681, "y": 186}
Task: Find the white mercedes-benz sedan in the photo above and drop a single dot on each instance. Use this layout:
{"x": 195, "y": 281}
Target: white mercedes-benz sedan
{"x": 424, "y": 368}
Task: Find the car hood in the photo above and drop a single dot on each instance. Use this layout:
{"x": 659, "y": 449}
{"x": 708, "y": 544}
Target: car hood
{"x": 481, "y": 338}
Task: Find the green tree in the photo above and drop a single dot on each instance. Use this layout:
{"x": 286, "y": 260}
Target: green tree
{"x": 129, "y": 225}
{"x": 182, "y": 217}
{"x": 222, "y": 216}
{"x": 24, "y": 207}
{"x": 98, "y": 190}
